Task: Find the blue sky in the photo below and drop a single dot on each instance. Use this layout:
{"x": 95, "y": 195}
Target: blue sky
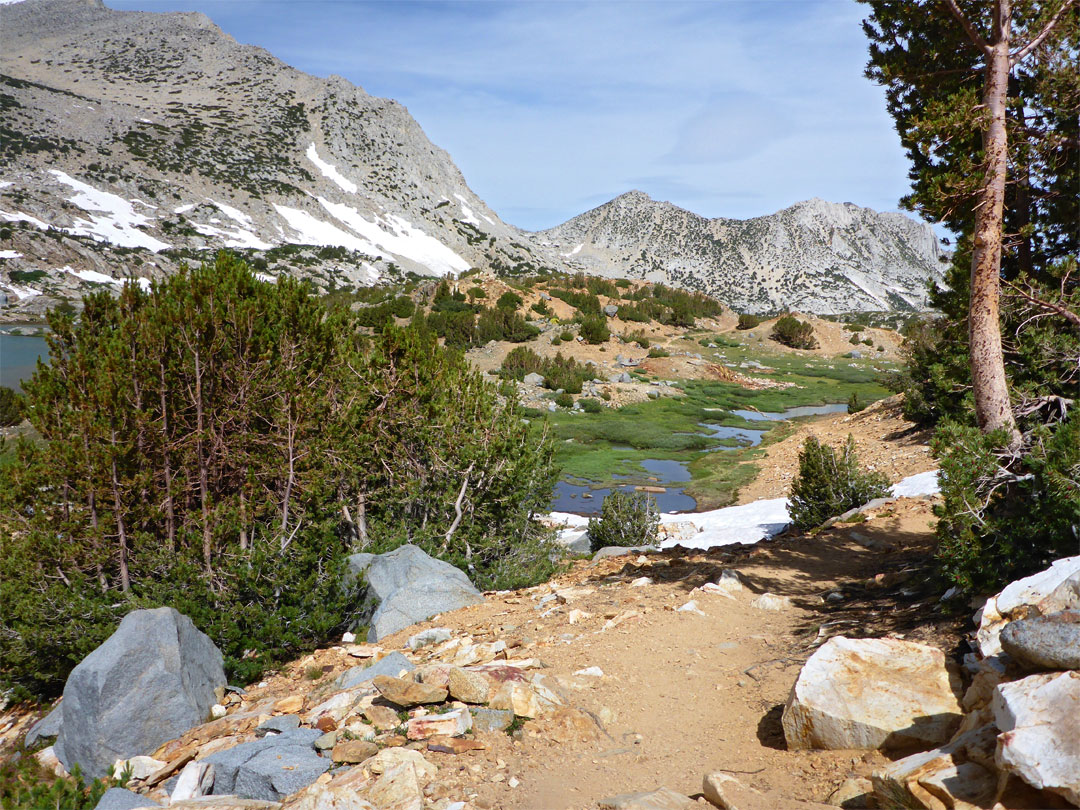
{"x": 730, "y": 108}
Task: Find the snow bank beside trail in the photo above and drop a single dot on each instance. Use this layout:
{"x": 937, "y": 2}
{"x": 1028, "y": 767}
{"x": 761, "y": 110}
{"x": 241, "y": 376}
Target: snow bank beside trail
{"x": 747, "y": 523}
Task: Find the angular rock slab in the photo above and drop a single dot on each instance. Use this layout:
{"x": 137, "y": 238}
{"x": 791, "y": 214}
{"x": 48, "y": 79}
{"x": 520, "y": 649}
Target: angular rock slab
{"x": 123, "y": 799}
{"x": 1039, "y": 717}
{"x": 270, "y": 768}
{"x": 660, "y": 799}
{"x": 148, "y": 683}
{"x": 1053, "y": 589}
{"x": 1045, "y": 642}
{"x": 872, "y": 693}
{"x": 393, "y": 665}
{"x": 728, "y": 793}
{"x": 408, "y": 586}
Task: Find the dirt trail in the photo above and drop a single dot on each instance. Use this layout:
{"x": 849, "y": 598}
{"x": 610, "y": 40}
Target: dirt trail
{"x": 684, "y": 694}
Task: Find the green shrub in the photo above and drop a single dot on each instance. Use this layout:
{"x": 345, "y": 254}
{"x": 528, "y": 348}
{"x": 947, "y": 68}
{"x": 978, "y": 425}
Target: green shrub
{"x": 206, "y": 438}
{"x": 476, "y": 292}
{"x": 594, "y": 329}
{"x": 792, "y": 332}
{"x": 626, "y": 519}
{"x": 556, "y": 341}
{"x": 565, "y": 400}
{"x": 622, "y": 283}
{"x": 748, "y": 321}
{"x": 854, "y": 340}
{"x": 11, "y": 407}
{"x": 868, "y": 342}
{"x": 541, "y": 308}
{"x": 853, "y": 404}
{"x": 590, "y": 405}
{"x": 521, "y": 360}
{"x": 26, "y": 785}
{"x": 501, "y": 323}
{"x": 854, "y": 327}
{"x": 828, "y": 485}
{"x": 509, "y": 300}
{"x": 1006, "y": 514}
{"x": 639, "y": 338}
{"x": 656, "y": 351}
{"x": 566, "y": 336}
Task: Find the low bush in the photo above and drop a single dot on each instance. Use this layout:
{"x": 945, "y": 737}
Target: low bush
{"x": 476, "y": 292}
{"x": 748, "y": 321}
{"x": 565, "y": 400}
{"x": 792, "y": 332}
{"x": 594, "y": 329}
{"x": 11, "y": 407}
{"x": 508, "y": 300}
{"x": 626, "y": 519}
{"x": 656, "y": 351}
{"x": 853, "y": 404}
{"x": 541, "y": 308}
{"x": 590, "y": 405}
{"x": 829, "y": 484}
{"x": 26, "y": 785}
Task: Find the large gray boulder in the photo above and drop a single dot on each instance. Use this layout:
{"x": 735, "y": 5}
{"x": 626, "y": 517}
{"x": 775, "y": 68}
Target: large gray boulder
{"x": 391, "y": 665}
{"x": 406, "y": 586}
{"x": 123, "y": 799}
{"x": 48, "y": 726}
{"x": 149, "y": 682}
{"x": 1045, "y": 642}
{"x": 270, "y": 768}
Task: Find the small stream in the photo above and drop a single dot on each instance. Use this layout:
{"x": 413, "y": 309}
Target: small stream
{"x": 674, "y": 475}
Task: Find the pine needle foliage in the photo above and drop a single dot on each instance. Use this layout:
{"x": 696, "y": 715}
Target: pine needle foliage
{"x": 829, "y": 484}
{"x": 626, "y": 519}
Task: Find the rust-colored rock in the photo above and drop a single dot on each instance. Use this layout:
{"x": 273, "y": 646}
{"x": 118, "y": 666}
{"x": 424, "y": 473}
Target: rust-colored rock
{"x": 408, "y": 693}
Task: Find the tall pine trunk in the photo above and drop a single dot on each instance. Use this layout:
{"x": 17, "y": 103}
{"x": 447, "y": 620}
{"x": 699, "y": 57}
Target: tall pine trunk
{"x": 993, "y": 410}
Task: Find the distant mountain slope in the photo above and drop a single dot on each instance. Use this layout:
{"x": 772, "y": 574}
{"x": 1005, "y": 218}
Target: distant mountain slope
{"x": 160, "y": 134}
{"x": 815, "y": 256}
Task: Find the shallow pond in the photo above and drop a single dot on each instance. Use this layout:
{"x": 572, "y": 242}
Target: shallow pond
{"x": 18, "y": 358}
{"x": 791, "y": 413}
{"x": 582, "y": 500}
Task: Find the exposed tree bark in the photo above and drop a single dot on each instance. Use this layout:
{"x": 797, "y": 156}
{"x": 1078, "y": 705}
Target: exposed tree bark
{"x": 204, "y": 484}
{"x": 993, "y": 410}
{"x": 170, "y": 507}
{"x": 121, "y": 531}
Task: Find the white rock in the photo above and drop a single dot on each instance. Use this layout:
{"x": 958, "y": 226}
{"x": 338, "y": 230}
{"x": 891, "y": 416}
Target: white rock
{"x": 48, "y": 760}
{"x": 871, "y": 693}
{"x": 641, "y": 582}
{"x": 450, "y": 724}
{"x": 592, "y": 672}
{"x": 217, "y": 711}
{"x": 141, "y": 767}
{"x": 425, "y": 638}
{"x": 348, "y": 638}
{"x": 1019, "y": 599}
{"x": 195, "y": 780}
{"x": 691, "y": 607}
{"x": 1039, "y": 717}
{"x": 770, "y": 601}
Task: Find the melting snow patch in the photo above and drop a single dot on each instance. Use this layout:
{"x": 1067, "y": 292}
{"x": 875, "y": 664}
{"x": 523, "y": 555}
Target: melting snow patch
{"x": 398, "y": 236}
{"x": 342, "y": 182}
{"x": 19, "y": 216}
{"x": 95, "y": 277}
{"x": 468, "y": 217}
{"x": 314, "y": 231}
{"x": 921, "y": 484}
{"x": 240, "y": 238}
{"x": 6, "y": 183}
{"x": 117, "y": 223}
{"x": 183, "y": 209}
{"x": 269, "y": 279}
{"x": 10, "y": 254}
{"x": 574, "y": 252}
{"x": 234, "y": 214}
{"x": 24, "y": 293}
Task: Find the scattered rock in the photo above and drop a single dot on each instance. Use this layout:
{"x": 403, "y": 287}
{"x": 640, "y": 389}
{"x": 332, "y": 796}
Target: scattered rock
{"x": 957, "y": 775}
{"x": 611, "y": 310}
{"x": 454, "y": 745}
{"x": 350, "y": 752}
{"x": 47, "y": 726}
{"x": 1034, "y": 595}
{"x": 836, "y": 701}
{"x": 770, "y": 601}
{"x": 467, "y": 686}
{"x": 408, "y": 586}
{"x": 279, "y": 724}
{"x": 382, "y": 717}
{"x": 1039, "y": 717}
{"x": 690, "y": 607}
{"x": 195, "y": 780}
{"x": 290, "y": 704}
{"x": 137, "y": 767}
{"x": 728, "y": 793}
{"x": 269, "y": 768}
{"x": 491, "y": 719}
{"x": 48, "y": 760}
{"x": 326, "y": 797}
{"x": 534, "y": 379}
{"x": 852, "y": 793}
{"x": 122, "y": 799}
{"x": 327, "y": 741}
{"x": 425, "y": 638}
{"x": 659, "y": 799}
{"x": 160, "y": 669}
{"x": 525, "y": 699}
{"x": 408, "y": 693}
{"x": 1044, "y": 642}
{"x": 449, "y": 724}
{"x": 393, "y": 665}
{"x": 620, "y": 551}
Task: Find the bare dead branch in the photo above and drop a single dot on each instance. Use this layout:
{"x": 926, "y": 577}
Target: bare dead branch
{"x": 1050, "y": 306}
{"x": 1020, "y": 55}
{"x": 969, "y": 29}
